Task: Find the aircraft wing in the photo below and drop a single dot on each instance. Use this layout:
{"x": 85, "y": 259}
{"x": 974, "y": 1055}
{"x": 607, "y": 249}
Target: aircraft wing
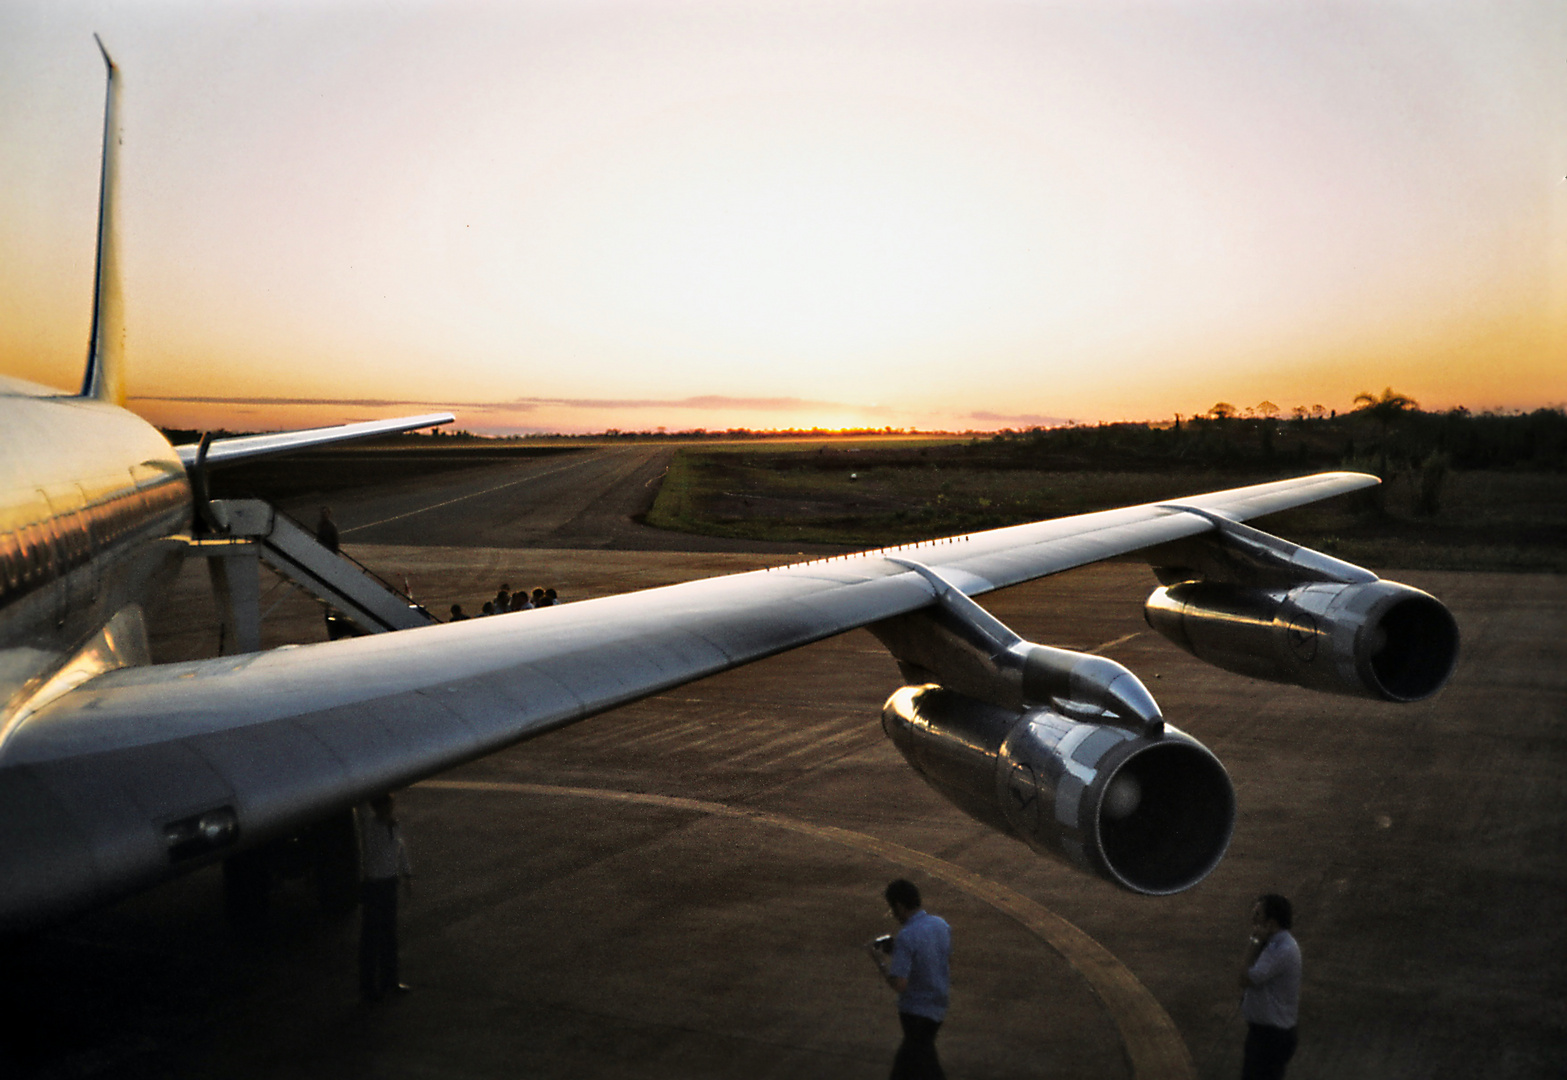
{"x": 226, "y": 451}
{"x": 100, "y": 791}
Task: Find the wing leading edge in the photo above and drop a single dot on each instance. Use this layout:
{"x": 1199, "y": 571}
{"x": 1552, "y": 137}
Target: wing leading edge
{"x": 240, "y": 447}
{"x": 90, "y": 785}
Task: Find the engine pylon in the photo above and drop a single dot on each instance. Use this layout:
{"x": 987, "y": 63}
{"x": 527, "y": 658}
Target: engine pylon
{"x": 1067, "y": 751}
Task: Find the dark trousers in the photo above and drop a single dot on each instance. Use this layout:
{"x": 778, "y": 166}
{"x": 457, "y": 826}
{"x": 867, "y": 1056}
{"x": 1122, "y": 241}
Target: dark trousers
{"x": 916, "y": 1058}
{"x": 1268, "y": 1050}
{"x": 378, "y": 937}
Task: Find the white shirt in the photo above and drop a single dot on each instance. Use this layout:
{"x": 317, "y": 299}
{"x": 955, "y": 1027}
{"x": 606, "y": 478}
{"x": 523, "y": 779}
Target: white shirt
{"x": 920, "y": 954}
{"x": 1273, "y": 998}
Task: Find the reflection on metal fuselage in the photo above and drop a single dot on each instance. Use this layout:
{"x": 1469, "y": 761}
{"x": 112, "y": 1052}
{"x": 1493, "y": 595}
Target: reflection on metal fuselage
{"x": 95, "y": 510}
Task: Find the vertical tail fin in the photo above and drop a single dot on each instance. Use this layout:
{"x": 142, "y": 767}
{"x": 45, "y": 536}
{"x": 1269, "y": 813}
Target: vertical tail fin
{"x": 105, "y": 377}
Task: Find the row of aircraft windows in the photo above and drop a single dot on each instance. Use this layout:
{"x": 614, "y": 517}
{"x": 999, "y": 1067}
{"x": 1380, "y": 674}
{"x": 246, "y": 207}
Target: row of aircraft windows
{"x": 44, "y": 550}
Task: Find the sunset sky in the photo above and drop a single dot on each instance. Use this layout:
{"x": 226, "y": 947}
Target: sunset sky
{"x": 575, "y": 216}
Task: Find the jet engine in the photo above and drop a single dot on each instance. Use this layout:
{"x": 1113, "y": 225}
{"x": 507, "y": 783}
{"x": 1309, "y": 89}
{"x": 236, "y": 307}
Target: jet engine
{"x": 1065, "y": 750}
{"x": 1256, "y": 604}
{"x": 1069, "y": 752}
{"x": 1151, "y": 813}
{"x": 1376, "y": 639}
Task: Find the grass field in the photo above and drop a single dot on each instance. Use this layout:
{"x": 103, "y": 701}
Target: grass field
{"x": 873, "y": 491}
{"x": 1487, "y": 520}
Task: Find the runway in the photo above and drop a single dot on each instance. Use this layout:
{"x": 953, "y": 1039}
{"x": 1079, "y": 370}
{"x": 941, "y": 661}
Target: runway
{"x": 587, "y": 498}
{"x": 658, "y": 891}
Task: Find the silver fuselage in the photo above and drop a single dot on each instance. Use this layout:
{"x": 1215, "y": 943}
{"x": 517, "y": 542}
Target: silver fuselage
{"x": 95, "y": 511}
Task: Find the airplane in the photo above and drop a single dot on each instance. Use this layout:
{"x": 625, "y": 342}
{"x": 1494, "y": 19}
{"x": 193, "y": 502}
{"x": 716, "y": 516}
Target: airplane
{"x": 117, "y": 774}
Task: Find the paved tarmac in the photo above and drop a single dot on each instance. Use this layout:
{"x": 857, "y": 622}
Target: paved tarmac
{"x": 679, "y": 888}
{"x": 584, "y": 499}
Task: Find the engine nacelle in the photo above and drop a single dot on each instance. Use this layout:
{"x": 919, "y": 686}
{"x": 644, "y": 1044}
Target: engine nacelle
{"x": 1150, "y": 813}
{"x": 1376, "y": 639}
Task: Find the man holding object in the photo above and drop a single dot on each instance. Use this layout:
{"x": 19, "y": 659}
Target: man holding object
{"x": 917, "y": 970}
{"x": 1270, "y": 977}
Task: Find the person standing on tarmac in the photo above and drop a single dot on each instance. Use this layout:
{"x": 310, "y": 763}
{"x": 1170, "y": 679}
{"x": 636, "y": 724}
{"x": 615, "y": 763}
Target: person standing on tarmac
{"x": 1270, "y": 979}
{"x": 385, "y": 862}
{"x": 918, "y": 970}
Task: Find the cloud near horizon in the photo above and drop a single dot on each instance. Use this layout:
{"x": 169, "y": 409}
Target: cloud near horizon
{"x": 342, "y": 403}
{"x": 701, "y": 402}
{"x": 1025, "y": 420}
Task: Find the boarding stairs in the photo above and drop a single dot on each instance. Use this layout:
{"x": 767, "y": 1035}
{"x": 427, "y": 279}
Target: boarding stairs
{"x": 246, "y": 532}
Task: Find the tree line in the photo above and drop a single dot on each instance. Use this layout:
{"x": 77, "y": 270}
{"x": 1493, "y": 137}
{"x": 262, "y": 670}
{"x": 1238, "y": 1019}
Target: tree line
{"x": 1385, "y": 433}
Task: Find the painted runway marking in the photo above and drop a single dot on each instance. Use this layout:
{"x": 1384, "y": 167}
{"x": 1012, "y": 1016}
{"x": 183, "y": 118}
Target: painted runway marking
{"x": 1152, "y": 1041}
{"x": 475, "y": 494}
{"x": 1099, "y": 650}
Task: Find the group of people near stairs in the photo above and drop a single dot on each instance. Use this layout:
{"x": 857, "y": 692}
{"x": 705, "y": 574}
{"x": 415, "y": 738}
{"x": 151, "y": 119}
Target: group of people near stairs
{"x": 506, "y": 600}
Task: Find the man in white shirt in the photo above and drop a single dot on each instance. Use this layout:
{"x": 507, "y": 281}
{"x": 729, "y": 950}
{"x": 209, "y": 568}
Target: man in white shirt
{"x": 918, "y": 970}
{"x": 1270, "y": 979}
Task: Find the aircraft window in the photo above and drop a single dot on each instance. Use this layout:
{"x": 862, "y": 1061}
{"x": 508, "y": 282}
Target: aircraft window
{"x": 48, "y": 540}
{"x": 29, "y": 545}
{"x": 10, "y": 561}
{"x": 80, "y": 542}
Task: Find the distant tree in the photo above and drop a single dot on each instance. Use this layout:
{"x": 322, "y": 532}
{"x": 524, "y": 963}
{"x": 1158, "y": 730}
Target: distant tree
{"x": 1318, "y": 411}
{"x": 1299, "y": 412}
{"x": 1387, "y": 407}
{"x": 1386, "y": 410}
{"x": 1267, "y": 409}
{"x": 1222, "y": 410}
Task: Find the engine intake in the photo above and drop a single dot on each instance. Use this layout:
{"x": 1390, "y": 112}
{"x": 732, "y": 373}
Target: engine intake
{"x": 1378, "y": 639}
{"x": 1152, "y": 813}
